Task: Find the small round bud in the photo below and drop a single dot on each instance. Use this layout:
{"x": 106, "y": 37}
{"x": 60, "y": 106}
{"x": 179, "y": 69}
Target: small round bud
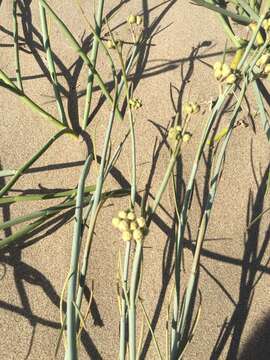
{"x": 110, "y": 44}
{"x": 122, "y": 214}
{"x": 141, "y": 222}
{"x": 172, "y": 134}
{"x": 218, "y": 74}
{"x": 231, "y": 79}
{"x": 195, "y": 108}
{"x": 138, "y": 20}
{"x": 267, "y": 69}
{"x": 186, "y": 137}
{"x": 263, "y": 60}
{"x": 131, "y": 216}
{"x": 226, "y": 70}
{"x": 217, "y": 66}
{"x": 131, "y": 19}
{"x": 116, "y": 222}
{"x": 178, "y": 128}
{"x": 123, "y": 226}
{"x": 133, "y": 225}
{"x": 137, "y": 235}
{"x": 188, "y": 109}
{"x": 126, "y": 236}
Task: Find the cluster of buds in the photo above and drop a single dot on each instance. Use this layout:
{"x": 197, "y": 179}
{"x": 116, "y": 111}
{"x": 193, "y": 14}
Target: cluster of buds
{"x": 264, "y": 64}
{"x": 131, "y": 226}
{"x": 134, "y": 20}
{"x": 191, "y": 108}
{"x": 223, "y": 73}
{"x": 135, "y": 103}
{"x": 175, "y": 134}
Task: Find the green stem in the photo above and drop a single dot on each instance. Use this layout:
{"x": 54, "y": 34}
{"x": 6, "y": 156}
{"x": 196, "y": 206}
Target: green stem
{"x": 75, "y": 252}
{"x": 30, "y": 162}
{"x": 9, "y": 85}
{"x": 16, "y": 45}
{"x": 51, "y": 66}
{"x": 77, "y": 48}
{"x": 93, "y": 58}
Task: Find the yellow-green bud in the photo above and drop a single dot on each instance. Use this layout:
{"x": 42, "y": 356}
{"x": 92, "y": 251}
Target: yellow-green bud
{"x": 116, "y": 222}
{"x": 127, "y": 236}
{"x": 263, "y": 60}
{"x": 231, "y": 79}
{"x": 141, "y": 222}
{"x": 131, "y": 216}
{"x": 217, "y": 66}
{"x": 137, "y": 235}
{"x": 172, "y": 133}
{"x": 186, "y": 137}
{"x": 110, "y": 44}
{"x": 138, "y": 20}
{"x": 178, "y": 128}
{"x": 218, "y": 74}
{"x": 266, "y": 24}
{"x": 123, "y": 225}
{"x": 133, "y": 225}
{"x": 188, "y": 108}
{"x": 131, "y": 19}
{"x": 226, "y": 70}
{"x": 195, "y": 108}
{"x": 267, "y": 69}
{"x": 122, "y": 214}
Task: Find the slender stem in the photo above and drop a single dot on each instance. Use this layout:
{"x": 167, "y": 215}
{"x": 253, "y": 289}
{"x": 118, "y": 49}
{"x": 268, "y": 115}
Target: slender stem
{"x": 123, "y": 319}
{"x": 74, "y": 261}
{"x": 51, "y": 66}
{"x": 93, "y": 58}
{"x": 30, "y": 162}
{"x": 96, "y": 203}
{"x": 9, "y": 85}
{"x": 75, "y": 45}
{"x": 134, "y": 281}
{"x": 35, "y": 197}
{"x": 16, "y": 45}
{"x": 183, "y": 326}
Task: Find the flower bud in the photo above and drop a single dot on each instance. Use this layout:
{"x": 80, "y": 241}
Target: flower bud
{"x": 267, "y": 69}
{"x": 195, "y": 108}
{"x": 141, "y": 222}
{"x": 218, "y": 74}
{"x": 263, "y": 60}
{"x": 188, "y": 108}
{"x": 110, "y": 44}
{"x": 116, "y": 222}
{"x": 123, "y": 226}
{"x": 178, "y": 128}
{"x": 226, "y": 70}
{"x": 231, "y": 79}
{"x": 217, "y": 66}
{"x": 186, "y": 137}
{"x": 131, "y": 216}
{"x": 137, "y": 235}
{"x": 172, "y": 133}
{"x": 133, "y": 225}
{"x": 131, "y": 19}
{"x": 126, "y": 236}
{"x": 138, "y": 20}
{"x": 122, "y": 214}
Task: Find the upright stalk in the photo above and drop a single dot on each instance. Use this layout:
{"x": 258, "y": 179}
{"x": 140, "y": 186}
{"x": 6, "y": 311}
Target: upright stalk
{"x": 16, "y": 45}
{"x": 93, "y": 58}
{"x": 75, "y": 252}
{"x": 51, "y": 66}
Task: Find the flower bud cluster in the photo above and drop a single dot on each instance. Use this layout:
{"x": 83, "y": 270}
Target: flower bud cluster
{"x": 223, "y": 73}
{"x": 131, "y": 226}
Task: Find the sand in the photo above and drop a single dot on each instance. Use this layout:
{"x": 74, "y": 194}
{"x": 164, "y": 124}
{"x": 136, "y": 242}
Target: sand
{"x": 234, "y": 283}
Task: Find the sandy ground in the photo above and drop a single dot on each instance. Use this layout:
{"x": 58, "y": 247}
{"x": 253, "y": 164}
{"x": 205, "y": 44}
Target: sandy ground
{"x": 234, "y": 283}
